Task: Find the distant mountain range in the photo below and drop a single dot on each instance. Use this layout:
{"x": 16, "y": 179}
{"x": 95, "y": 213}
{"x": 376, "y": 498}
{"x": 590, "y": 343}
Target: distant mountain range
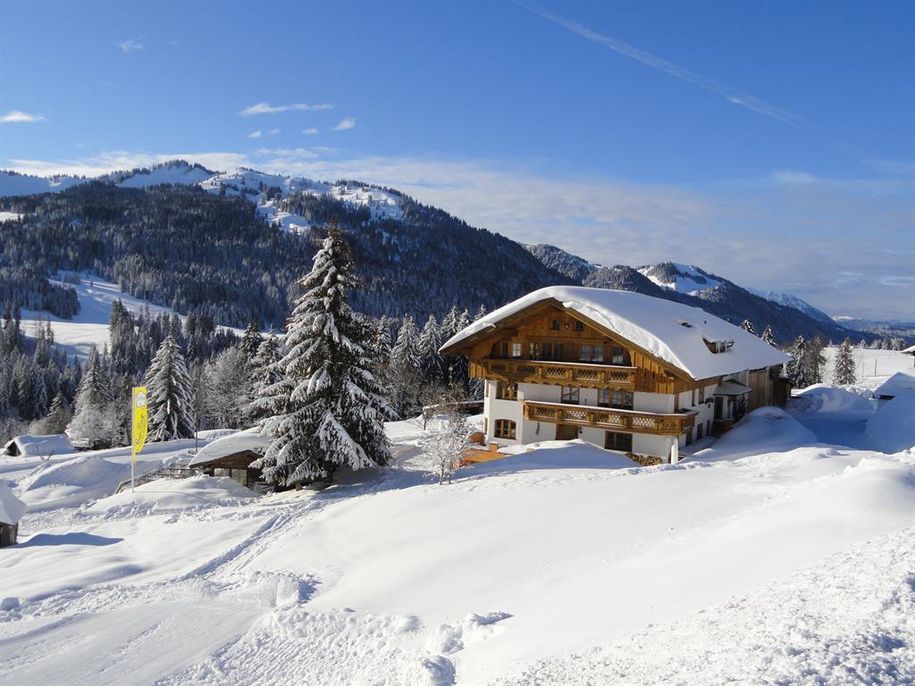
{"x": 412, "y": 258}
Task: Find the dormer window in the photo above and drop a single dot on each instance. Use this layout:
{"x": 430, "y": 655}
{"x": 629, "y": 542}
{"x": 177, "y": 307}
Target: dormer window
{"x": 718, "y": 346}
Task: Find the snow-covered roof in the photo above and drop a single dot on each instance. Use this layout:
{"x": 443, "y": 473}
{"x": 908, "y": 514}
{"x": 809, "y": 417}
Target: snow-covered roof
{"x": 11, "y": 508}
{"x": 41, "y": 446}
{"x": 910, "y": 350}
{"x": 897, "y": 384}
{"x": 673, "y": 332}
{"x": 229, "y": 445}
{"x": 731, "y": 387}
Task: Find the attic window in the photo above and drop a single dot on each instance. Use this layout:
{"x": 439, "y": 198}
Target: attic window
{"x": 718, "y": 346}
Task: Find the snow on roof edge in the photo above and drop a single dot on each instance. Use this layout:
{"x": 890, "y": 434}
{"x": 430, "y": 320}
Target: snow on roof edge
{"x": 664, "y": 328}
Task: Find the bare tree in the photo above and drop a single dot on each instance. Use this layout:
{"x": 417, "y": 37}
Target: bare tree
{"x": 443, "y": 447}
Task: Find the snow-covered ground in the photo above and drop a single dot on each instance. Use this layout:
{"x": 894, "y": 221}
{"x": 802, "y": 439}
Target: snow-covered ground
{"x": 89, "y": 326}
{"x": 775, "y": 556}
{"x": 872, "y": 367}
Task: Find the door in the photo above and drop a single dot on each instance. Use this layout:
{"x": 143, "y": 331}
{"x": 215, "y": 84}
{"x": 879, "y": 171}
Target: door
{"x": 719, "y": 407}
{"x": 564, "y": 432}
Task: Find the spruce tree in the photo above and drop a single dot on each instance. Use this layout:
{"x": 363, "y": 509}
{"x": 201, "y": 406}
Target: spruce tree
{"x": 169, "y": 399}
{"x": 91, "y": 424}
{"x": 431, "y": 363}
{"x": 769, "y": 336}
{"x": 266, "y": 373}
{"x": 251, "y": 341}
{"x": 335, "y": 409}
{"x": 795, "y": 368}
{"x": 844, "y": 370}
{"x": 747, "y": 326}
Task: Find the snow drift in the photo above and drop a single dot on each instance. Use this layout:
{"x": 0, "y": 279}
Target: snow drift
{"x": 892, "y": 428}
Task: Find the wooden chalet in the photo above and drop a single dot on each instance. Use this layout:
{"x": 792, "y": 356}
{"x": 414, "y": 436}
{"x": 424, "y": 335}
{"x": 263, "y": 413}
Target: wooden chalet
{"x": 232, "y": 456}
{"x": 619, "y": 369}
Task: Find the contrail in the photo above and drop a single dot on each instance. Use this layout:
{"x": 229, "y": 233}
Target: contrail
{"x": 736, "y": 97}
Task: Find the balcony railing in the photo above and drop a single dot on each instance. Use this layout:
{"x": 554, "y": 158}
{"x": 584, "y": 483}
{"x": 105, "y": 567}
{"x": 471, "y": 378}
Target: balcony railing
{"x": 608, "y": 418}
{"x": 581, "y": 374}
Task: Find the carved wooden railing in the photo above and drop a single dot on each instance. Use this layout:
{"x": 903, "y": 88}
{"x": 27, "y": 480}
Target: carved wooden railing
{"x": 580, "y": 374}
{"x": 608, "y": 418}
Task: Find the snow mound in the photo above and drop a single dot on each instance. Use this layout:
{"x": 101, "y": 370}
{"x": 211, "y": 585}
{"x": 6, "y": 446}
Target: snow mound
{"x": 39, "y": 446}
{"x": 823, "y": 399}
{"x": 575, "y": 454}
{"x": 892, "y": 428}
{"x": 74, "y": 482}
{"x": 764, "y": 430}
{"x": 11, "y": 508}
{"x": 175, "y": 494}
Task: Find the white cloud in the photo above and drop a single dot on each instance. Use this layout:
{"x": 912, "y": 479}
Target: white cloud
{"x": 256, "y": 134}
{"x": 273, "y": 132}
{"x": 736, "y": 97}
{"x": 267, "y": 108}
{"x": 19, "y": 117}
{"x": 130, "y": 45}
{"x": 310, "y": 132}
{"x": 346, "y": 124}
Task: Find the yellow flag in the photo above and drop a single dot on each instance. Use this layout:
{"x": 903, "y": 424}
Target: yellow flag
{"x": 139, "y": 419}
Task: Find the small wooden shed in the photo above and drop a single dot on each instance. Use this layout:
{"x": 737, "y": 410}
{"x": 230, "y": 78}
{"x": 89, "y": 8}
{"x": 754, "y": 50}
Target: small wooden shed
{"x": 232, "y": 456}
{"x": 11, "y": 511}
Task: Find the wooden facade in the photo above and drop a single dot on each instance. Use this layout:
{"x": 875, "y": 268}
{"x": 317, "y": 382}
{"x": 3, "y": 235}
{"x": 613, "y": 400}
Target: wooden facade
{"x": 546, "y": 344}
{"x": 236, "y": 466}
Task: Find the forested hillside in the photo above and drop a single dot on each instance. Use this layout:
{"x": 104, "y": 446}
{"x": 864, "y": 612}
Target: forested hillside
{"x": 214, "y": 254}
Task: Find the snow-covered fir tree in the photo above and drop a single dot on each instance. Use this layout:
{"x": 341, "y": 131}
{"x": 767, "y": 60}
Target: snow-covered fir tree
{"x": 443, "y": 446}
{"x": 92, "y": 424}
{"x": 270, "y": 387}
{"x": 251, "y": 341}
{"x": 228, "y": 386}
{"x": 814, "y": 361}
{"x": 844, "y": 369}
{"x": 335, "y": 409}
{"x": 432, "y": 365}
{"x": 769, "y": 336}
{"x": 747, "y": 326}
{"x": 169, "y": 400}
{"x": 794, "y": 369}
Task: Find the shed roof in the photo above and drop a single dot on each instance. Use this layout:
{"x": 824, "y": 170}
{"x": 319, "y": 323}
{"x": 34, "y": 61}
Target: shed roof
{"x": 34, "y": 446}
{"x": 671, "y": 331}
{"x": 898, "y": 383}
{"x": 248, "y": 440}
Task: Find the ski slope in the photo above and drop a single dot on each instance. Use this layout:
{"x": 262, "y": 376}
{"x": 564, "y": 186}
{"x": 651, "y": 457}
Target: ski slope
{"x": 768, "y": 555}
{"x": 90, "y": 325}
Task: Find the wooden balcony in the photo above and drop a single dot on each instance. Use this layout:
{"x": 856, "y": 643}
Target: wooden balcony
{"x": 582, "y": 374}
{"x": 610, "y": 419}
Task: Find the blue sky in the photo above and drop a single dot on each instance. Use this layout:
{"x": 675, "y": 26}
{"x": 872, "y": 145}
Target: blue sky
{"x": 772, "y": 143}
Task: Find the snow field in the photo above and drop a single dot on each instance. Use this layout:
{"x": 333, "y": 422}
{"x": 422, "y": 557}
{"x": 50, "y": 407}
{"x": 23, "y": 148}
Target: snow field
{"x": 773, "y": 557}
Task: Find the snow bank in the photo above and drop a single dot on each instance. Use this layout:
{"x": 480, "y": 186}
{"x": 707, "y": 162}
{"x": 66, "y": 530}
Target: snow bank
{"x": 765, "y": 430}
{"x": 892, "y": 428}
{"x": 76, "y": 481}
{"x": 575, "y": 454}
{"x": 163, "y": 495}
{"x": 823, "y": 399}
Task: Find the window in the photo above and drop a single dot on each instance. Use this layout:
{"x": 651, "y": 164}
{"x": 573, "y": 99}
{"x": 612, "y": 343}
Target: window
{"x": 571, "y": 395}
{"x": 554, "y": 325}
{"x": 506, "y": 390}
{"x": 619, "y": 356}
{"x": 699, "y": 432}
{"x": 591, "y": 353}
{"x": 552, "y": 351}
{"x": 618, "y": 441}
{"x": 516, "y": 350}
{"x": 701, "y": 395}
{"x": 621, "y": 400}
{"x": 579, "y": 326}
{"x": 504, "y": 428}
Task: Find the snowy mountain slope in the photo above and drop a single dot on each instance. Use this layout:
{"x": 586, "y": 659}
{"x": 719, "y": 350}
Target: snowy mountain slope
{"x": 682, "y": 278}
{"x": 557, "y": 566}
{"x": 176, "y": 171}
{"x": 12, "y": 184}
{"x": 254, "y": 186}
{"x": 792, "y": 301}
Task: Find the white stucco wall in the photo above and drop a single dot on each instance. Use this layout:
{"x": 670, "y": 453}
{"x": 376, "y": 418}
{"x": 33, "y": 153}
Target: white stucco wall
{"x": 653, "y": 402}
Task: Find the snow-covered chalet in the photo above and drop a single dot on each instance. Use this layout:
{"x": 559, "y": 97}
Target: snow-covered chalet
{"x": 621, "y": 370}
